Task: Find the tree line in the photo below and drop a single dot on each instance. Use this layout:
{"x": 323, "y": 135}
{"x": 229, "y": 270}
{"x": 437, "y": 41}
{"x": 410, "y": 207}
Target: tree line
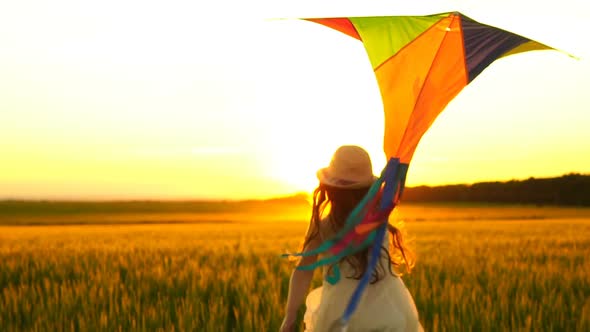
{"x": 569, "y": 189}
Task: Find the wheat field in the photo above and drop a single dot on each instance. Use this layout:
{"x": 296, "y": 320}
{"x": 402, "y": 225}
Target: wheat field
{"x": 493, "y": 273}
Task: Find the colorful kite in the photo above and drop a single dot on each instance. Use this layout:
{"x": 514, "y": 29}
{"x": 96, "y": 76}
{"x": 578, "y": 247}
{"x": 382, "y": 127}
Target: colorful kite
{"x": 421, "y": 63}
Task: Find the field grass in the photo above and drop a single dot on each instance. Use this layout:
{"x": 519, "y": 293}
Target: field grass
{"x": 294, "y": 208}
{"x": 479, "y": 268}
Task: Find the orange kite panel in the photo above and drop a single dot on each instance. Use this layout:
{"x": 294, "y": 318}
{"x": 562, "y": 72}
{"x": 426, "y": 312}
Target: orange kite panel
{"x": 446, "y": 78}
{"x": 401, "y": 79}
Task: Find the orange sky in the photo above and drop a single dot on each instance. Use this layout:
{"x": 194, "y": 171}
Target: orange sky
{"x": 144, "y": 101}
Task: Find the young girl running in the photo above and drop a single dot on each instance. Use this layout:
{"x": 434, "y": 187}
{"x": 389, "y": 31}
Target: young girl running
{"x": 386, "y": 304}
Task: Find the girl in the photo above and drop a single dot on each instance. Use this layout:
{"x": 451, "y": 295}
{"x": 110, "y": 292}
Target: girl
{"x": 386, "y": 304}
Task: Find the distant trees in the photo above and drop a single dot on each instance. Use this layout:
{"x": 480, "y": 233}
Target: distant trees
{"x": 569, "y": 189}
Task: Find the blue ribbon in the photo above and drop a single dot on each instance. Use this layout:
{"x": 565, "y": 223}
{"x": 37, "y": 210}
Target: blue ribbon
{"x": 394, "y": 174}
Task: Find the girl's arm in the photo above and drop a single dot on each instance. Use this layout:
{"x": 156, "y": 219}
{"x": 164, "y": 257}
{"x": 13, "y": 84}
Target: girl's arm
{"x": 298, "y": 287}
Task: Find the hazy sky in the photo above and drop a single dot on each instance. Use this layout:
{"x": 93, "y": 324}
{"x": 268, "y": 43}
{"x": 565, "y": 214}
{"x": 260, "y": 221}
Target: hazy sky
{"x": 223, "y": 99}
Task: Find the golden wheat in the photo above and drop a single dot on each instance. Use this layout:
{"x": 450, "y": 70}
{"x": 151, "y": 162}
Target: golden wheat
{"x": 529, "y": 275}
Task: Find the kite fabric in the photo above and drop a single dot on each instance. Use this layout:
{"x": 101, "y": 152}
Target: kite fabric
{"x": 421, "y": 63}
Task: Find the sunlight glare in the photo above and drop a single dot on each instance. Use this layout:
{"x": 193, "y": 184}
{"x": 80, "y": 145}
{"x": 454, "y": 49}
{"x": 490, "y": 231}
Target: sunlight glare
{"x": 321, "y": 101}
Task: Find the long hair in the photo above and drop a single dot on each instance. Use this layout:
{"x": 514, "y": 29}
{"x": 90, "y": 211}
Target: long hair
{"x": 341, "y": 202}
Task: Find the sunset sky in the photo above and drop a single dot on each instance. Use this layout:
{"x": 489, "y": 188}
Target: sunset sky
{"x": 238, "y": 99}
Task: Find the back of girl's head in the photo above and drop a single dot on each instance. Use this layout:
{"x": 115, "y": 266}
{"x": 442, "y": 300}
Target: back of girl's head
{"x": 340, "y": 203}
{"x": 343, "y": 201}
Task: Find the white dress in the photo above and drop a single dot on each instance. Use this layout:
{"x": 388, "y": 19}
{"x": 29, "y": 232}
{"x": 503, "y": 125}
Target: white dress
{"x": 385, "y": 306}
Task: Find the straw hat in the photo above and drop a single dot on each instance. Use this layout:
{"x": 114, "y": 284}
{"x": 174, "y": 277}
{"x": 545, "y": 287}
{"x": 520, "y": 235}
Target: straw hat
{"x": 350, "y": 168}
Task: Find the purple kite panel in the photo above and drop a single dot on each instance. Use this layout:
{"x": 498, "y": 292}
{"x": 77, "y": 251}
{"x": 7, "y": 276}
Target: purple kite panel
{"x": 484, "y": 44}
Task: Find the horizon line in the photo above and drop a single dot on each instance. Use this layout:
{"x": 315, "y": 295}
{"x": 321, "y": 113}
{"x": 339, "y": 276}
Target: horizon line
{"x": 298, "y": 194}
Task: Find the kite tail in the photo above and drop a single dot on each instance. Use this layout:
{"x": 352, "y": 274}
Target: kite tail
{"x": 395, "y": 175}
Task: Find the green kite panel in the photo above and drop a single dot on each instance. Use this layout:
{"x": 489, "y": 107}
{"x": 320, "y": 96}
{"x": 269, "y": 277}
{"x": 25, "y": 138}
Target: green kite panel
{"x": 384, "y": 36}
